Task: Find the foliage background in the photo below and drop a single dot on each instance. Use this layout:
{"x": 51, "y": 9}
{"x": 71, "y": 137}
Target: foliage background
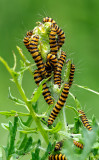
{"x": 80, "y": 22}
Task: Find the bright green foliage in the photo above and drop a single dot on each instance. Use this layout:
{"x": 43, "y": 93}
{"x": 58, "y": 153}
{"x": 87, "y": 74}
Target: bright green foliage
{"x": 32, "y": 135}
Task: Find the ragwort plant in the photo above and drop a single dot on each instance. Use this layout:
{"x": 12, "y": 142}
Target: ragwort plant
{"x": 34, "y": 136}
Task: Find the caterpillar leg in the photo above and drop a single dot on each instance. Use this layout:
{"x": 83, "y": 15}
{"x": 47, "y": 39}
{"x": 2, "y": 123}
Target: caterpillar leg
{"x": 85, "y": 120}
{"x": 59, "y": 104}
{"x": 36, "y": 55}
{"x": 57, "y": 75}
{"x": 46, "y": 93}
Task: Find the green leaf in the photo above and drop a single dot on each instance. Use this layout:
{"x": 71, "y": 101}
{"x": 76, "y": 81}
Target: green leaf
{"x": 35, "y": 106}
{"x": 55, "y": 129}
{"x": 37, "y": 93}
{"x": 14, "y": 99}
{"x": 67, "y": 72}
{"x": 70, "y": 107}
{"x": 76, "y": 125}
{"x": 5, "y": 126}
{"x": 86, "y": 88}
{"x": 13, "y": 113}
{"x": 12, "y": 134}
{"x": 89, "y": 140}
{"x": 78, "y": 105}
{"x": 1, "y": 155}
{"x": 24, "y": 129}
{"x": 23, "y": 56}
{"x": 35, "y": 156}
{"x": 28, "y": 145}
{"x": 48, "y": 150}
{"x": 21, "y": 143}
{"x": 14, "y": 67}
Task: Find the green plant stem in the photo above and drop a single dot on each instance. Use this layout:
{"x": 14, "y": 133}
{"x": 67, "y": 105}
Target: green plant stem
{"x": 27, "y": 102}
{"x": 67, "y": 72}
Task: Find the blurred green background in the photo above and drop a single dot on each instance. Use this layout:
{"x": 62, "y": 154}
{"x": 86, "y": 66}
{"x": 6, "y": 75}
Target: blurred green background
{"x": 79, "y": 19}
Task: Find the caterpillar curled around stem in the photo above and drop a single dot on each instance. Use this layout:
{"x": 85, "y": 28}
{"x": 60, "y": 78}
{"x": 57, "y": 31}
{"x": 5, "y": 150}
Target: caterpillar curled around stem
{"x": 46, "y": 93}
{"x": 85, "y": 120}
{"x": 59, "y": 104}
{"x": 57, "y": 157}
{"x": 57, "y": 75}
{"x": 78, "y": 144}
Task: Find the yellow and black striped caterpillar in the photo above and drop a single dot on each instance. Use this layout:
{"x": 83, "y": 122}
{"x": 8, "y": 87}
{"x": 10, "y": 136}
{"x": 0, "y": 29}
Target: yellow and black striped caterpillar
{"x": 78, "y": 144}
{"x": 85, "y": 120}
{"x": 60, "y": 33}
{"x": 46, "y": 93}
{"x": 57, "y": 157}
{"x": 59, "y": 104}
{"x": 57, "y": 75}
{"x": 58, "y": 145}
{"x": 52, "y": 41}
{"x": 36, "y": 55}
{"x": 72, "y": 70}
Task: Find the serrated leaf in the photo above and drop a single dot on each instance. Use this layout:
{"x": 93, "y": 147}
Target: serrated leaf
{"x": 24, "y": 129}
{"x": 14, "y": 99}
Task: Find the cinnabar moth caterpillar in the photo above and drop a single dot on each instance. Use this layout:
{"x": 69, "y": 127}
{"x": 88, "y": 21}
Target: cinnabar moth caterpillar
{"x": 52, "y": 41}
{"x": 85, "y": 120}
{"x": 46, "y": 93}
{"x": 57, "y": 157}
{"x": 58, "y": 145}
{"x": 59, "y": 104}
{"x": 36, "y": 55}
{"x": 72, "y": 70}
{"x": 57, "y": 75}
{"x": 60, "y": 33}
{"x": 78, "y": 144}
